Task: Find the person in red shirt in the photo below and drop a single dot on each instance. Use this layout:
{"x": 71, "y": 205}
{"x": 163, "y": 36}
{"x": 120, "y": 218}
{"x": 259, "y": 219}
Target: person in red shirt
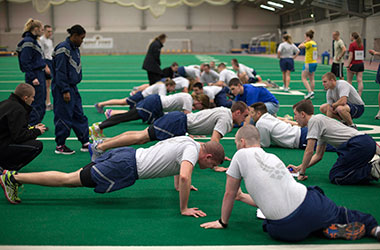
{"x": 355, "y": 61}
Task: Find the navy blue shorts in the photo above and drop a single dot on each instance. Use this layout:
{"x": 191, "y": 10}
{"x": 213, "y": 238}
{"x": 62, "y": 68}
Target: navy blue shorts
{"x": 181, "y": 71}
{"x": 114, "y": 170}
{"x": 221, "y": 98}
{"x": 133, "y": 100}
{"x": 170, "y": 125}
{"x": 356, "y": 110}
{"x": 286, "y": 64}
{"x": 378, "y": 75}
{"x": 253, "y": 79}
{"x": 315, "y": 213}
{"x": 150, "y": 108}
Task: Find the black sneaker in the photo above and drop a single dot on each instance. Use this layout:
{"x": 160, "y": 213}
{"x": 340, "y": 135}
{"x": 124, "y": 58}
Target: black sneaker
{"x": 64, "y": 150}
{"x": 84, "y": 147}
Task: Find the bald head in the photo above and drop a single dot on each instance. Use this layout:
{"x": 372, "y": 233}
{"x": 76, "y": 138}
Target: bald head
{"x": 216, "y": 150}
{"x": 250, "y": 134}
{"x": 24, "y": 89}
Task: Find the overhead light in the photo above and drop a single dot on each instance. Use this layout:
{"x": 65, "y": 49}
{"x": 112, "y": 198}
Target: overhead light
{"x": 288, "y": 1}
{"x": 267, "y": 7}
{"x": 312, "y": 15}
{"x": 278, "y": 5}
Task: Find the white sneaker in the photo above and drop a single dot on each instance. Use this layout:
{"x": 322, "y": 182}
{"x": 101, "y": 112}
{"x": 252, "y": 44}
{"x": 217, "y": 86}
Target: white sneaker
{"x": 309, "y": 96}
{"x": 377, "y": 117}
{"x": 375, "y": 170}
{"x": 94, "y": 151}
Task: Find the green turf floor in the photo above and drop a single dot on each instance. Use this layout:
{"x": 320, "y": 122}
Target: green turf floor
{"x": 148, "y": 212}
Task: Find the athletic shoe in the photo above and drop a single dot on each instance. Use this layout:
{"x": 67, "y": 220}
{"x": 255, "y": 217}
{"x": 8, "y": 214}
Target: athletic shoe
{"x": 10, "y": 188}
{"x": 49, "y": 107}
{"x": 286, "y": 89}
{"x": 288, "y": 117}
{"x": 84, "y": 147}
{"x": 377, "y": 117}
{"x": 350, "y": 231}
{"x": 377, "y": 233}
{"x": 309, "y": 96}
{"x": 353, "y": 126}
{"x": 95, "y": 132}
{"x": 375, "y": 170}
{"x": 94, "y": 152}
{"x": 98, "y": 108}
{"x": 108, "y": 113}
{"x": 63, "y": 149}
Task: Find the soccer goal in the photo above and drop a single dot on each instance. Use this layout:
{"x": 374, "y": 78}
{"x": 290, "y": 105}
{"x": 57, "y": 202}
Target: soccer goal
{"x": 177, "y": 45}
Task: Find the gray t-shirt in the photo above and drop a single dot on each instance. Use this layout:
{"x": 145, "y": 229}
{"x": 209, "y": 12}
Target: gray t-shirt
{"x": 341, "y": 89}
{"x": 328, "y": 130}
{"x": 165, "y": 158}
{"x": 338, "y": 47}
{"x": 211, "y": 91}
{"x": 210, "y": 77}
{"x": 206, "y": 121}
{"x": 287, "y": 50}
{"x": 177, "y": 102}
{"x": 268, "y": 182}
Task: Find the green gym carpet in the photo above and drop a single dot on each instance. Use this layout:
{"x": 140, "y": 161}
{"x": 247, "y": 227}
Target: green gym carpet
{"x": 147, "y": 213}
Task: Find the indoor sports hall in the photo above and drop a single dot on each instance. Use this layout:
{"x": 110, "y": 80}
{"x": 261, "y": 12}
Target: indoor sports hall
{"x": 118, "y": 33}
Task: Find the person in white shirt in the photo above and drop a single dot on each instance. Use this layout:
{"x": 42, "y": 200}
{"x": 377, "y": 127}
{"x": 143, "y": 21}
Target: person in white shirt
{"x": 181, "y": 84}
{"x": 192, "y": 72}
{"x": 279, "y": 132}
{"x": 216, "y": 94}
{"x": 355, "y": 149}
{"x": 208, "y": 76}
{"x": 245, "y": 73}
{"x": 287, "y": 52}
{"x": 338, "y": 59}
{"x": 216, "y": 122}
{"x": 148, "y": 110}
{"x": 343, "y": 101}
{"x": 120, "y": 168}
{"x": 292, "y": 210}
{"x": 46, "y": 44}
{"x": 225, "y": 75}
{"x": 159, "y": 88}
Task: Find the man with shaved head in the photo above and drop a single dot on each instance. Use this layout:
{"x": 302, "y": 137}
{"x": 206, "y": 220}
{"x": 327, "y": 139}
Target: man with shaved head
{"x": 18, "y": 144}
{"x": 292, "y": 210}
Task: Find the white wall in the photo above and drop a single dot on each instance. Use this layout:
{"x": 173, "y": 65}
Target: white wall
{"x": 368, "y": 29}
{"x": 211, "y": 25}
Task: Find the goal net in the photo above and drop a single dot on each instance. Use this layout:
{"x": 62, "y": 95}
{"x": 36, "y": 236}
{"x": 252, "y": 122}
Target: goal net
{"x": 174, "y": 45}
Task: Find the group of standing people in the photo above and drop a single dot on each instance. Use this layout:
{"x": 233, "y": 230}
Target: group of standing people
{"x": 43, "y": 64}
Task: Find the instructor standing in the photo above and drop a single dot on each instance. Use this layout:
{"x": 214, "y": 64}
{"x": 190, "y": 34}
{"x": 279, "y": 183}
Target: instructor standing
{"x": 152, "y": 60}
{"x": 67, "y": 73}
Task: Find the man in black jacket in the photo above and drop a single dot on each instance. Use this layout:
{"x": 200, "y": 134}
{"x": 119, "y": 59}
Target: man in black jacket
{"x": 18, "y": 144}
{"x": 171, "y": 72}
{"x": 152, "y": 60}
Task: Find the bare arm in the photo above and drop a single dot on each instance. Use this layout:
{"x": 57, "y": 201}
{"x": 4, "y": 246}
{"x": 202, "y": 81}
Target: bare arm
{"x": 350, "y": 57}
{"x": 232, "y": 187}
{"x": 246, "y": 198}
{"x": 341, "y": 102}
{"x": 343, "y": 52}
{"x": 216, "y": 136}
{"x": 184, "y": 185}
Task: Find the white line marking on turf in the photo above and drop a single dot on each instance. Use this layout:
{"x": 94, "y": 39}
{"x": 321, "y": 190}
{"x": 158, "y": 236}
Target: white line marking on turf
{"x": 254, "y": 247}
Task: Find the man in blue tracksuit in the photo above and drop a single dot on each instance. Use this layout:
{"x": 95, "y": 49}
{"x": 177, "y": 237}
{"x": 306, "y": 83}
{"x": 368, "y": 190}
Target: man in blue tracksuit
{"x": 32, "y": 63}
{"x": 67, "y": 73}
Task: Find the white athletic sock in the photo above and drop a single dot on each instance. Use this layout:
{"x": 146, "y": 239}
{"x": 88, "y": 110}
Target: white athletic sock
{"x": 377, "y": 149}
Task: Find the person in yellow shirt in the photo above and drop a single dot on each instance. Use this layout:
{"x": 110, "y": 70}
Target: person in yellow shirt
{"x": 310, "y": 65}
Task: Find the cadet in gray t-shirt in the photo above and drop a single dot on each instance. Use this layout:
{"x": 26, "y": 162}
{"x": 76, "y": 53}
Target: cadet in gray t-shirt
{"x": 292, "y": 210}
{"x": 343, "y": 101}
{"x": 355, "y": 149}
{"x": 120, "y": 168}
{"x": 215, "y": 122}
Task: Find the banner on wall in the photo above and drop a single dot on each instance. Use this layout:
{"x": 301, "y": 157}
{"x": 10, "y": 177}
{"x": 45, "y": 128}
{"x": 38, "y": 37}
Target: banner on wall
{"x": 98, "y": 42}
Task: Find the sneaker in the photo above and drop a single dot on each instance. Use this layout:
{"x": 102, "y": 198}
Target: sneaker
{"x": 84, "y": 147}
{"x": 288, "y": 117}
{"x": 108, "y": 113}
{"x": 353, "y": 126}
{"x": 98, "y": 108}
{"x": 10, "y": 188}
{"x": 377, "y": 117}
{"x": 95, "y": 132}
{"x": 375, "y": 170}
{"x": 94, "y": 152}
{"x": 350, "y": 231}
{"x": 286, "y": 89}
{"x": 63, "y": 149}
{"x": 49, "y": 107}
{"x": 309, "y": 96}
{"x": 274, "y": 85}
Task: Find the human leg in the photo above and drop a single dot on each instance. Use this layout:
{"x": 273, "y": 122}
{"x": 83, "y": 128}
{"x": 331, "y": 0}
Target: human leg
{"x": 39, "y": 105}
{"x": 131, "y": 115}
{"x": 359, "y": 79}
{"x": 344, "y": 114}
{"x": 125, "y": 139}
{"x": 16, "y": 156}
